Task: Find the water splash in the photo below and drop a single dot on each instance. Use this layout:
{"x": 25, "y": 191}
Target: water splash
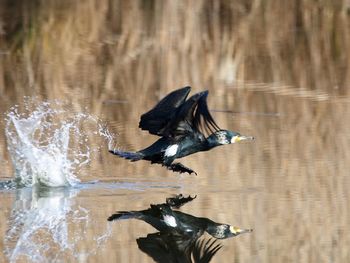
{"x": 48, "y": 144}
{"x": 46, "y": 226}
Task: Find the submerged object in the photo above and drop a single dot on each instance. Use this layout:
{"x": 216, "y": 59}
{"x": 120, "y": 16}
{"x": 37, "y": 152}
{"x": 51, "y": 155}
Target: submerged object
{"x": 181, "y": 124}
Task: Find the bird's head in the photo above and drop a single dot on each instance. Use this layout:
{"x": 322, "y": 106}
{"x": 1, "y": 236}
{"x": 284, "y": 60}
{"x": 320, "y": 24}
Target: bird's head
{"x": 227, "y": 137}
{"x": 223, "y": 231}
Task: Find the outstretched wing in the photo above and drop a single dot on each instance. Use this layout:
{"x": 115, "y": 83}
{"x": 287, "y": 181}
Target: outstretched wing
{"x": 157, "y": 118}
{"x": 202, "y": 117}
{"x": 203, "y": 250}
{"x": 174, "y": 246}
{"x": 179, "y": 200}
{"x": 168, "y": 246}
{"x": 192, "y": 116}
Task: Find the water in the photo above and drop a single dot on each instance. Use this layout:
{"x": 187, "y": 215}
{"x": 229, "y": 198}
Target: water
{"x": 41, "y": 226}
{"x": 48, "y": 145}
{"x": 50, "y": 224}
{"x": 81, "y": 74}
{"x": 290, "y": 167}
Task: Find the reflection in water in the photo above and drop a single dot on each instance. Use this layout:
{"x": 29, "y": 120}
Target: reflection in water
{"x": 182, "y": 125}
{"x": 45, "y": 225}
{"x": 177, "y": 247}
{"x": 179, "y": 233}
{"x": 48, "y": 144}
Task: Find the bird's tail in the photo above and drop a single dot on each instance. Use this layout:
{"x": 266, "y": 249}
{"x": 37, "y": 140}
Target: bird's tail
{"x": 132, "y": 156}
{"x": 123, "y": 215}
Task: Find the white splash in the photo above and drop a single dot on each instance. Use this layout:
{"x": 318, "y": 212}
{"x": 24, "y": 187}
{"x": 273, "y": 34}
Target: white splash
{"x": 49, "y": 144}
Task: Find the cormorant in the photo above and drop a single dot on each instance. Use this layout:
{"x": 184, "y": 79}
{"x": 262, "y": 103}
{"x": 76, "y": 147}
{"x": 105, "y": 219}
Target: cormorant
{"x": 163, "y": 217}
{"x": 178, "y": 239}
{"x": 180, "y": 124}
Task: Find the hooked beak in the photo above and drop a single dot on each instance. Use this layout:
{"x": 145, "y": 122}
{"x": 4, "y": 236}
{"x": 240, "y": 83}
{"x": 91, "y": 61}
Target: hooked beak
{"x": 237, "y": 231}
{"x": 239, "y": 138}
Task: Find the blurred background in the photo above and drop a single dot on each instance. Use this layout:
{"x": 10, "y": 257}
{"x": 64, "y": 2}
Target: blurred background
{"x": 277, "y": 70}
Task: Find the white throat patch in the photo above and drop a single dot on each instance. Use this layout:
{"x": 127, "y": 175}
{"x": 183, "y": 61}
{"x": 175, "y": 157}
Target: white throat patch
{"x": 222, "y": 137}
{"x": 171, "y": 150}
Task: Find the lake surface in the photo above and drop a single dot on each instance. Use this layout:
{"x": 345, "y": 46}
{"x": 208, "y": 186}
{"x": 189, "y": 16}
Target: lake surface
{"x": 290, "y": 185}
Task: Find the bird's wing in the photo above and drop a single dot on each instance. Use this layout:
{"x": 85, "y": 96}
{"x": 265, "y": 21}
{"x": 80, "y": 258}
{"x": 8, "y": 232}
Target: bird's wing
{"x": 168, "y": 246}
{"x": 179, "y": 200}
{"x": 202, "y": 117}
{"x": 191, "y": 116}
{"x": 157, "y": 118}
{"x": 203, "y": 250}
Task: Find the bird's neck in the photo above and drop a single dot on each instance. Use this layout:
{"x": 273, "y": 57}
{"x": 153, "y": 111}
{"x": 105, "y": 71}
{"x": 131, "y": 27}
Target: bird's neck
{"x": 216, "y": 230}
{"x": 212, "y": 141}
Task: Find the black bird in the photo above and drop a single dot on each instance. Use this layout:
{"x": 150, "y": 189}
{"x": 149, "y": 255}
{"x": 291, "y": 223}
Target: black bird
{"x": 178, "y": 239}
{"x": 172, "y": 247}
{"x": 180, "y": 123}
{"x": 163, "y": 217}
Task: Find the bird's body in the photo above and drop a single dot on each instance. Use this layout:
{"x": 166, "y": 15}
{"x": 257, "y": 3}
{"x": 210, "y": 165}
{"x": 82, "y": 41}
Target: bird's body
{"x": 179, "y": 237}
{"x": 169, "y": 149}
{"x": 180, "y": 124}
{"x": 165, "y": 219}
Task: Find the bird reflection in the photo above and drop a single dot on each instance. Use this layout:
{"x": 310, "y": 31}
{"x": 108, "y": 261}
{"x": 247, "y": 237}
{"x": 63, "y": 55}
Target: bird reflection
{"x": 175, "y": 246}
{"x": 179, "y": 237}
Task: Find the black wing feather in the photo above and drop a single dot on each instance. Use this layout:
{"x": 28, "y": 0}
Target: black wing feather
{"x": 175, "y": 116}
{"x": 202, "y": 117}
{"x": 157, "y": 118}
{"x": 204, "y": 250}
{"x": 192, "y": 116}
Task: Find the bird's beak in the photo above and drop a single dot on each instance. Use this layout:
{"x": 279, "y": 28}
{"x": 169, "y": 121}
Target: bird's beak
{"x": 237, "y": 231}
{"x": 239, "y": 138}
